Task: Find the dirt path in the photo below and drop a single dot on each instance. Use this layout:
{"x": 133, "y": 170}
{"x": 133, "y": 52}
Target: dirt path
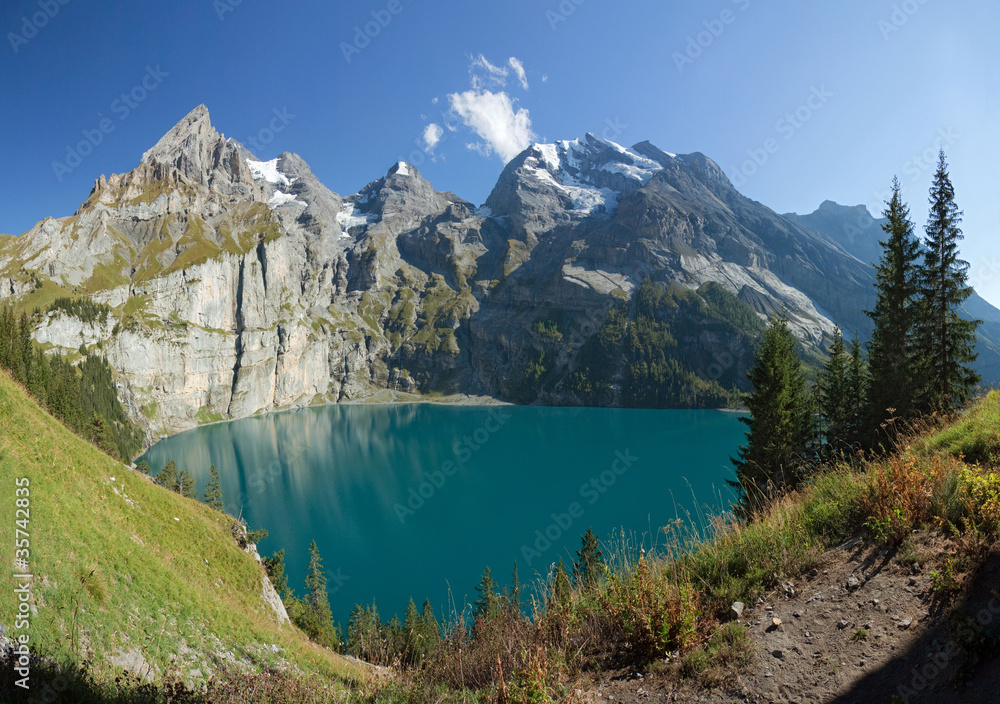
{"x": 863, "y": 627}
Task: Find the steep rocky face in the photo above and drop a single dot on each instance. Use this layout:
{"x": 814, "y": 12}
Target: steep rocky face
{"x": 239, "y": 286}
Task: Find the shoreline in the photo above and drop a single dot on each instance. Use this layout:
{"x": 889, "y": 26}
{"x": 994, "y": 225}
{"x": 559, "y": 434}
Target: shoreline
{"x": 403, "y": 398}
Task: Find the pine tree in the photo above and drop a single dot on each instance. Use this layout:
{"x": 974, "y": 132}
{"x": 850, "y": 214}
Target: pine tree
{"x": 945, "y": 341}
{"x": 780, "y": 422}
{"x": 411, "y": 632}
{"x": 167, "y": 477}
{"x": 186, "y": 485}
{"x": 561, "y": 585}
{"x": 891, "y": 348}
{"x": 832, "y": 389}
{"x": 364, "y": 632}
{"x": 393, "y": 640}
{"x": 430, "y": 629}
{"x": 213, "y": 490}
{"x": 320, "y": 626}
{"x": 142, "y": 466}
{"x": 858, "y": 382}
{"x": 101, "y": 435}
{"x": 514, "y": 600}
{"x": 589, "y": 561}
{"x": 488, "y": 604}
{"x": 275, "y": 566}
{"x": 25, "y": 352}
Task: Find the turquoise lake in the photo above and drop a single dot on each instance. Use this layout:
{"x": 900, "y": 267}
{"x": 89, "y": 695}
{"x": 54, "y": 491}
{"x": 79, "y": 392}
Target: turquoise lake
{"x": 415, "y": 500}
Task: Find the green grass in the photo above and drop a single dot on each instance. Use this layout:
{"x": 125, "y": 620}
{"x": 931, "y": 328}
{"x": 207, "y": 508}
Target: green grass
{"x": 975, "y": 436}
{"x": 205, "y": 416}
{"x": 121, "y": 563}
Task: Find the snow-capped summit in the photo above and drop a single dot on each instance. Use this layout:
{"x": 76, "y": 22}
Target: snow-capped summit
{"x": 581, "y": 158}
{"x": 588, "y": 176}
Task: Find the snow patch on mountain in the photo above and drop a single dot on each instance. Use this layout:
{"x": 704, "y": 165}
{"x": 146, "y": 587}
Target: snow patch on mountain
{"x": 268, "y": 170}
{"x": 280, "y": 198}
{"x": 588, "y": 169}
{"x": 347, "y": 219}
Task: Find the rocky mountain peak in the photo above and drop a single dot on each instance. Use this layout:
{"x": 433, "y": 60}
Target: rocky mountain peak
{"x": 571, "y": 179}
{"x": 201, "y": 156}
{"x": 192, "y": 137}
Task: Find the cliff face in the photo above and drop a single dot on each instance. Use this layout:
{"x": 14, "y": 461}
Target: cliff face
{"x": 237, "y": 286}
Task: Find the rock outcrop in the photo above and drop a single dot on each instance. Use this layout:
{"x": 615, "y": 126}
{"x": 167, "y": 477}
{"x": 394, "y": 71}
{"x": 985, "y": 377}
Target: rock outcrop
{"x": 238, "y": 286}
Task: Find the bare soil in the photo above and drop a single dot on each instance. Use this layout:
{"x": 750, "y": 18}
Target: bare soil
{"x": 864, "y": 627}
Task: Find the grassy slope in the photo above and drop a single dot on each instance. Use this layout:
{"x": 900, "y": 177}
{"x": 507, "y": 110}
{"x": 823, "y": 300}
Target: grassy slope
{"x": 161, "y": 574}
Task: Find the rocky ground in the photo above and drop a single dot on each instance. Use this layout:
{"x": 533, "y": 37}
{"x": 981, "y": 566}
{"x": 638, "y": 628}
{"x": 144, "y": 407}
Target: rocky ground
{"x": 865, "y": 626}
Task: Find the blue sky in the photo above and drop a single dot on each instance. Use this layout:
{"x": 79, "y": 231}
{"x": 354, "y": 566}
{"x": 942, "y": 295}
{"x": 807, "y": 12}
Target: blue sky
{"x": 797, "y": 102}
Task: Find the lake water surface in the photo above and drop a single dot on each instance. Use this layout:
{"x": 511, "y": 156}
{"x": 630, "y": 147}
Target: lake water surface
{"x": 415, "y": 500}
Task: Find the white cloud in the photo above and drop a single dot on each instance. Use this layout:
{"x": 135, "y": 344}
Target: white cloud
{"x": 519, "y": 70}
{"x": 485, "y": 75}
{"x": 432, "y": 135}
{"x": 506, "y": 131}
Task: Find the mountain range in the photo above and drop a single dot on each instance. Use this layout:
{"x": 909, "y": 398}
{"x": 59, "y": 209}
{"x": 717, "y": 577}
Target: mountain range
{"x": 228, "y": 286}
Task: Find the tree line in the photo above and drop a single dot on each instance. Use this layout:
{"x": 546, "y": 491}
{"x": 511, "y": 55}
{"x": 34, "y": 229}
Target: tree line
{"x": 917, "y": 361}
{"x": 83, "y": 396}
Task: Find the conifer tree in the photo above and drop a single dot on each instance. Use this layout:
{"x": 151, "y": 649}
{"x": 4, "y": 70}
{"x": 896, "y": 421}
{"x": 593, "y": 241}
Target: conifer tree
{"x": 833, "y": 400}
{"x": 561, "y": 585}
{"x": 487, "y": 605}
{"x": 589, "y": 561}
{"x": 142, "y": 466}
{"x": 945, "y": 344}
{"x": 319, "y": 623}
{"x": 275, "y": 566}
{"x": 411, "y": 632}
{"x": 213, "y": 490}
{"x": 891, "y": 347}
{"x": 393, "y": 640}
{"x": 858, "y": 382}
{"x": 514, "y": 600}
{"x": 167, "y": 477}
{"x": 430, "y": 629}
{"x": 364, "y": 632}
{"x": 186, "y": 485}
{"x": 780, "y": 423}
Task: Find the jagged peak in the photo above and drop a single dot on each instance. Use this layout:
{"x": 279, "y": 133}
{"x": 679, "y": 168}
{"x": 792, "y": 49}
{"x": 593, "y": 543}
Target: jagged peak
{"x": 400, "y": 168}
{"x": 192, "y": 132}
